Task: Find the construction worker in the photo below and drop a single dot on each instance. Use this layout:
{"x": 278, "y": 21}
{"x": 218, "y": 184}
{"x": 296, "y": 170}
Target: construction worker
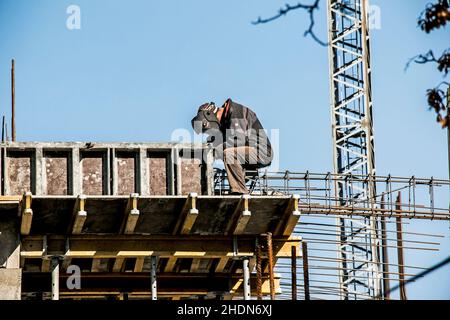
{"x": 238, "y": 139}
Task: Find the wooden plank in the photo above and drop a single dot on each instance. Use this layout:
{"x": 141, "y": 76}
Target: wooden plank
{"x": 45, "y": 266}
{"x": 170, "y": 264}
{"x": 10, "y": 199}
{"x": 236, "y": 286}
{"x": 96, "y": 265}
{"x": 290, "y": 218}
{"x": 66, "y": 263}
{"x": 244, "y": 216}
{"x": 195, "y": 266}
{"x": 222, "y": 264}
{"x": 265, "y": 288}
{"x": 132, "y": 246}
{"x": 27, "y": 214}
{"x": 252, "y": 264}
{"x": 240, "y": 217}
{"x": 79, "y": 215}
{"x": 118, "y": 264}
{"x": 131, "y": 215}
{"x": 188, "y": 216}
{"x": 139, "y": 265}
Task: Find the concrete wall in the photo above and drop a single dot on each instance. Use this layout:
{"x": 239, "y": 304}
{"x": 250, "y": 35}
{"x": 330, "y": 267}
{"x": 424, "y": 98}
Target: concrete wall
{"x": 105, "y": 168}
{"x": 10, "y": 272}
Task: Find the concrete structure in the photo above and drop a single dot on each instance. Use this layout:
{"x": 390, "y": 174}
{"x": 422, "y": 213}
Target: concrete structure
{"x": 123, "y": 212}
{"x": 105, "y": 168}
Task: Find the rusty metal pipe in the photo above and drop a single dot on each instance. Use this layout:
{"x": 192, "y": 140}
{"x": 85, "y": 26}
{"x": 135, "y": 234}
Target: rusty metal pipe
{"x": 384, "y": 241}
{"x": 305, "y": 270}
{"x": 258, "y": 272}
{"x": 294, "y": 272}
{"x": 13, "y": 100}
{"x": 270, "y": 257}
{"x": 401, "y": 268}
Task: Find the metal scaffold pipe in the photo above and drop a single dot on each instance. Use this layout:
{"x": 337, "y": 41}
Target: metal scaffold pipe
{"x": 55, "y": 277}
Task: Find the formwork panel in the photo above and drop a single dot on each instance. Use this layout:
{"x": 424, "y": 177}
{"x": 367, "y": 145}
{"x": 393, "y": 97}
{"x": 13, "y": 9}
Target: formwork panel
{"x": 20, "y": 170}
{"x": 191, "y": 173}
{"x": 93, "y": 169}
{"x": 126, "y": 173}
{"x": 158, "y": 216}
{"x": 158, "y": 163}
{"x": 104, "y": 216}
{"x": 51, "y": 216}
{"x": 56, "y": 173}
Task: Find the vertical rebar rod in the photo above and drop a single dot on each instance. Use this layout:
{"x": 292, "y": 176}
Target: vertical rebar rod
{"x": 13, "y": 101}
{"x": 55, "y": 278}
{"x": 384, "y": 241}
{"x": 448, "y": 134}
{"x": 3, "y": 129}
{"x": 246, "y": 271}
{"x": 305, "y": 270}
{"x": 258, "y": 272}
{"x": 294, "y": 272}
{"x": 270, "y": 257}
{"x": 7, "y": 134}
{"x": 401, "y": 263}
{"x": 153, "y": 278}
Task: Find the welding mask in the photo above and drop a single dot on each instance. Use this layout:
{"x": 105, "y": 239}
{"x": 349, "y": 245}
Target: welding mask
{"x": 206, "y": 119}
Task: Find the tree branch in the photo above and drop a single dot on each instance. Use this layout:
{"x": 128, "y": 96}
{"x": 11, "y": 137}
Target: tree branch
{"x": 310, "y": 9}
{"x": 443, "y": 62}
{"x": 434, "y": 16}
{"x": 436, "y": 98}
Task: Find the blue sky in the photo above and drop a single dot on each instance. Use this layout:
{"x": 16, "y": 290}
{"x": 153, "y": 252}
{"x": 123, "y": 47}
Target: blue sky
{"x": 138, "y": 69}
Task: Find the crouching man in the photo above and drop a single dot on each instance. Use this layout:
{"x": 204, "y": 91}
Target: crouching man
{"x": 238, "y": 139}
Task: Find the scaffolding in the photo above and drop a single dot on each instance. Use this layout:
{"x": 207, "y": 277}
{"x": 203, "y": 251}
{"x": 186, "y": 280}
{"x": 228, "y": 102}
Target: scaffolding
{"x": 401, "y": 204}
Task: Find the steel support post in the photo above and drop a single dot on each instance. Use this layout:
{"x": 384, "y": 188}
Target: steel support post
{"x": 55, "y": 277}
{"x": 246, "y": 271}
{"x": 153, "y": 263}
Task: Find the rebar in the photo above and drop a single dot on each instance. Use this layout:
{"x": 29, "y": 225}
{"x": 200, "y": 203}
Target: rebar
{"x": 271, "y": 262}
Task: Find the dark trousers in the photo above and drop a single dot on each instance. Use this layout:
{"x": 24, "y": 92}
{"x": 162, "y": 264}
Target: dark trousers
{"x": 235, "y": 159}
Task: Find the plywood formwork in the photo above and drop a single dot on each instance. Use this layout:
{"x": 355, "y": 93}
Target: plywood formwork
{"x": 108, "y": 208}
{"x": 189, "y": 251}
{"x": 105, "y": 168}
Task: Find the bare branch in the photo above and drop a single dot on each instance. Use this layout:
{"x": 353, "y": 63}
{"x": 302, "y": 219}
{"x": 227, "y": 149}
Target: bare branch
{"x": 288, "y": 8}
{"x": 443, "y": 62}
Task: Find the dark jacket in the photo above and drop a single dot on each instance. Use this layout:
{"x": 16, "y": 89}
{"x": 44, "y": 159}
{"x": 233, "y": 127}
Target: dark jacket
{"x": 241, "y": 127}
